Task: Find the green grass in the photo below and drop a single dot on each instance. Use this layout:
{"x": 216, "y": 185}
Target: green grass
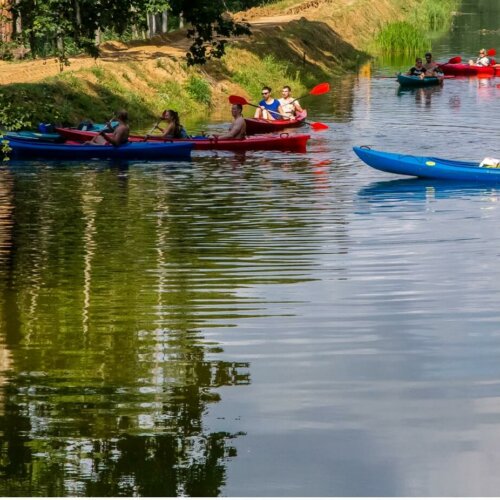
{"x": 401, "y": 38}
{"x": 199, "y": 90}
{"x": 269, "y": 72}
{"x": 434, "y": 15}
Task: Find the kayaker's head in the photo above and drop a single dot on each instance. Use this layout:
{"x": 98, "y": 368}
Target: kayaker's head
{"x": 418, "y": 62}
{"x": 482, "y": 53}
{"x": 236, "y": 110}
{"x": 122, "y": 115}
{"x": 286, "y": 91}
{"x": 266, "y": 92}
{"x": 171, "y": 116}
{"x": 428, "y": 56}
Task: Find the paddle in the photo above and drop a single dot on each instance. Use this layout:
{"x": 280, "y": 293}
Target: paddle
{"x": 321, "y": 88}
{"x": 453, "y": 60}
{"x": 157, "y": 123}
{"x": 235, "y": 99}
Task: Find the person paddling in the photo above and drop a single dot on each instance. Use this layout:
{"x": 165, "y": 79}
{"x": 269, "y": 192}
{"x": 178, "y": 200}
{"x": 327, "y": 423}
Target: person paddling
{"x": 481, "y": 60}
{"x": 119, "y": 135}
{"x": 174, "y": 129}
{"x": 289, "y": 105}
{"x": 269, "y": 107}
{"x": 238, "y": 128}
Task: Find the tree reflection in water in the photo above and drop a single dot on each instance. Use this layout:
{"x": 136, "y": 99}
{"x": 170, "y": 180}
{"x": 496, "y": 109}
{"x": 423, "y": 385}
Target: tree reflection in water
{"x": 109, "y": 375}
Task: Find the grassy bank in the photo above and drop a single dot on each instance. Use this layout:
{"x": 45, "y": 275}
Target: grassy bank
{"x": 309, "y": 42}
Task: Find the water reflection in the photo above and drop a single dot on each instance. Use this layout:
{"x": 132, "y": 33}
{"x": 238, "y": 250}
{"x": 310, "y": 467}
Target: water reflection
{"x": 423, "y": 95}
{"x": 118, "y": 276}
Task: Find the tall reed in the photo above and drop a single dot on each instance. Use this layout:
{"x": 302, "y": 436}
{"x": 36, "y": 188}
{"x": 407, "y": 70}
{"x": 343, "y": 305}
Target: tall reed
{"x": 401, "y": 38}
{"x": 434, "y": 15}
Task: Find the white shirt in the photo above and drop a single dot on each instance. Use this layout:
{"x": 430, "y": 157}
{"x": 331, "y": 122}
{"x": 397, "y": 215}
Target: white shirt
{"x": 288, "y": 105}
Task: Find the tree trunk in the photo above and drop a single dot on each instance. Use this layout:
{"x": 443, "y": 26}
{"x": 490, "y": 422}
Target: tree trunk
{"x": 151, "y": 25}
{"x": 164, "y": 21}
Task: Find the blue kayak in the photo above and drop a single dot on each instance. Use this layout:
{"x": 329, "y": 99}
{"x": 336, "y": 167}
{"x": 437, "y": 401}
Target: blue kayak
{"x": 415, "y": 81}
{"x": 427, "y": 166}
{"x": 28, "y": 135}
{"x": 78, "y": 151}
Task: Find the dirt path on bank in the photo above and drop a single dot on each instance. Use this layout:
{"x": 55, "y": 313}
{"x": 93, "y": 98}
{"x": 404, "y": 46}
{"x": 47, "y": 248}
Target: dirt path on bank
{"x": 172, "y": 46}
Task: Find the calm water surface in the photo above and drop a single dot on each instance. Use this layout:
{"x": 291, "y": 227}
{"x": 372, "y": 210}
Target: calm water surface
{"x": 270, "y": 324}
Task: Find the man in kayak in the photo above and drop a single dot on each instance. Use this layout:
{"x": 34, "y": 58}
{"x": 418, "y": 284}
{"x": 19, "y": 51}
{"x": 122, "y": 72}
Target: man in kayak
{"x": 482, "y": 60}
{"x": 430, "y": 65}
{"x": 289, "y": 105}
{"x": 269, "y": 108}
{"x": 119, "y": 135}
{"x": 239, "y": 128}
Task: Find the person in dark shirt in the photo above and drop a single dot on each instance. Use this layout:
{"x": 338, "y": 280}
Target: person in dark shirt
{"x": 418, "y": 69}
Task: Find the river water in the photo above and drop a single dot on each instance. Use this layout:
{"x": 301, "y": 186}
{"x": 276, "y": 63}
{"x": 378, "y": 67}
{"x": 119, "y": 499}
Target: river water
{"x": 267, "y": 324}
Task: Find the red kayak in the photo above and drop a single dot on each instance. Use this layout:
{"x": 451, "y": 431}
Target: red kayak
{"x": 283, "y": 141}
{"x": 462, "y": 69}
{"x": 261, "y": 126}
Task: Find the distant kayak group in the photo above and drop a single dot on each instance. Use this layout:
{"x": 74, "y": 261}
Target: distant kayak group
{"x": 264, "y": 131}
{"x": 432, "y": 73}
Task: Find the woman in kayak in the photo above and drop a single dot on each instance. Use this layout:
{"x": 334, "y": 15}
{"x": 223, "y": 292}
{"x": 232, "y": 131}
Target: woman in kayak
{"x": 174, "y": 129}
{"x": 269, "y": 108}
{"x": 418, "y": 69}
{"x": 482, "y": 60}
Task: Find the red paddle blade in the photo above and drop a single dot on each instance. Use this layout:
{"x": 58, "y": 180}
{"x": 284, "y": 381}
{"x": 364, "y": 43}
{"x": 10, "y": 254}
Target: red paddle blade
{"x": 455, "y": 60}
{"x": 318, "y": 126}
{"x": 236, "y": 99}
{"x": 491, "y": 52}
{"x": 321, "y": 88}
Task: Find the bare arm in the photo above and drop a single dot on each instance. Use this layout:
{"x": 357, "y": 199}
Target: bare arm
{"x": 237, "y": 130}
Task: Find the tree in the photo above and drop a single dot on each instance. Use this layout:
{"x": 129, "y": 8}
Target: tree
{"x": 53, "y": 22}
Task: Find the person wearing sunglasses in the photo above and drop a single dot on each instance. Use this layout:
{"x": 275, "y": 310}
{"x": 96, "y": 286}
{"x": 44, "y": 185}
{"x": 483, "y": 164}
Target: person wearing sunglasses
{"x": 481, "y": 60}
{"x": 269, "y": 107}
{"x": 418, "y": 69}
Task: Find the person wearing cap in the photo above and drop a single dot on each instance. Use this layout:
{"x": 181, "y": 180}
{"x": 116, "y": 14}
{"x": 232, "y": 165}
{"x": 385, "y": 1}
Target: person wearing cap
{"x": 482, "y": 60}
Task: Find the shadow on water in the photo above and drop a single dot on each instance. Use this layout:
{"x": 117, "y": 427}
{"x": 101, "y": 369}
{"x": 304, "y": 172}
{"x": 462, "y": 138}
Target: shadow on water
{"x": 401, "y": 190}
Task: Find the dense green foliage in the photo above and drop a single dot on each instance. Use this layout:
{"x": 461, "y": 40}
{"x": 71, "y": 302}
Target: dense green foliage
{"x": 63, "y": 27}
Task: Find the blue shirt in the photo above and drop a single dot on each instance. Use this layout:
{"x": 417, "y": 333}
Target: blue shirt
{"x": 271, "y": 107}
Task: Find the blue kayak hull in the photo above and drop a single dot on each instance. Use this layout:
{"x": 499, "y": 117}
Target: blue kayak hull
{"x": 427, "y": 166}
{"x": 76, "y": 151}
{"x": 415, "y": 81}
{"x": 28, "y": 135}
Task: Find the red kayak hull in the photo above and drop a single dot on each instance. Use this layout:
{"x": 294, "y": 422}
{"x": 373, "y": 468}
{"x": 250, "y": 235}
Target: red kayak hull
{"x": 463, "y": 69}
{"x": 282, "y": 142}
{"x": 260, "y": 126}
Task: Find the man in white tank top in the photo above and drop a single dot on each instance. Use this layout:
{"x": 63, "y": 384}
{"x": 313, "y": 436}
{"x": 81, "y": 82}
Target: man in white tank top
{"x": 289, "y": 105}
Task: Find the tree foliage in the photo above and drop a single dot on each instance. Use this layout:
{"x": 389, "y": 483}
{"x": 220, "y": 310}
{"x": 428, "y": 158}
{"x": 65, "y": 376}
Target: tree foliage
{"x": 57, "y": 23}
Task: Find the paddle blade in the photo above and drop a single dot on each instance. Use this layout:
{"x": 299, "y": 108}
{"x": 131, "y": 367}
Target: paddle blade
{"x": 318, "y": 126}
{"x": 321, "y": 88}
{"x": 236, "y": 99}
{"x": 455, "y": 60}
{"x": 491, "y": 52}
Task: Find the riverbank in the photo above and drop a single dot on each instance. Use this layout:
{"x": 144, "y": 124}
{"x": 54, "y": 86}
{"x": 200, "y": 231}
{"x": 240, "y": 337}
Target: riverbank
{"x": 300, "y": 44}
